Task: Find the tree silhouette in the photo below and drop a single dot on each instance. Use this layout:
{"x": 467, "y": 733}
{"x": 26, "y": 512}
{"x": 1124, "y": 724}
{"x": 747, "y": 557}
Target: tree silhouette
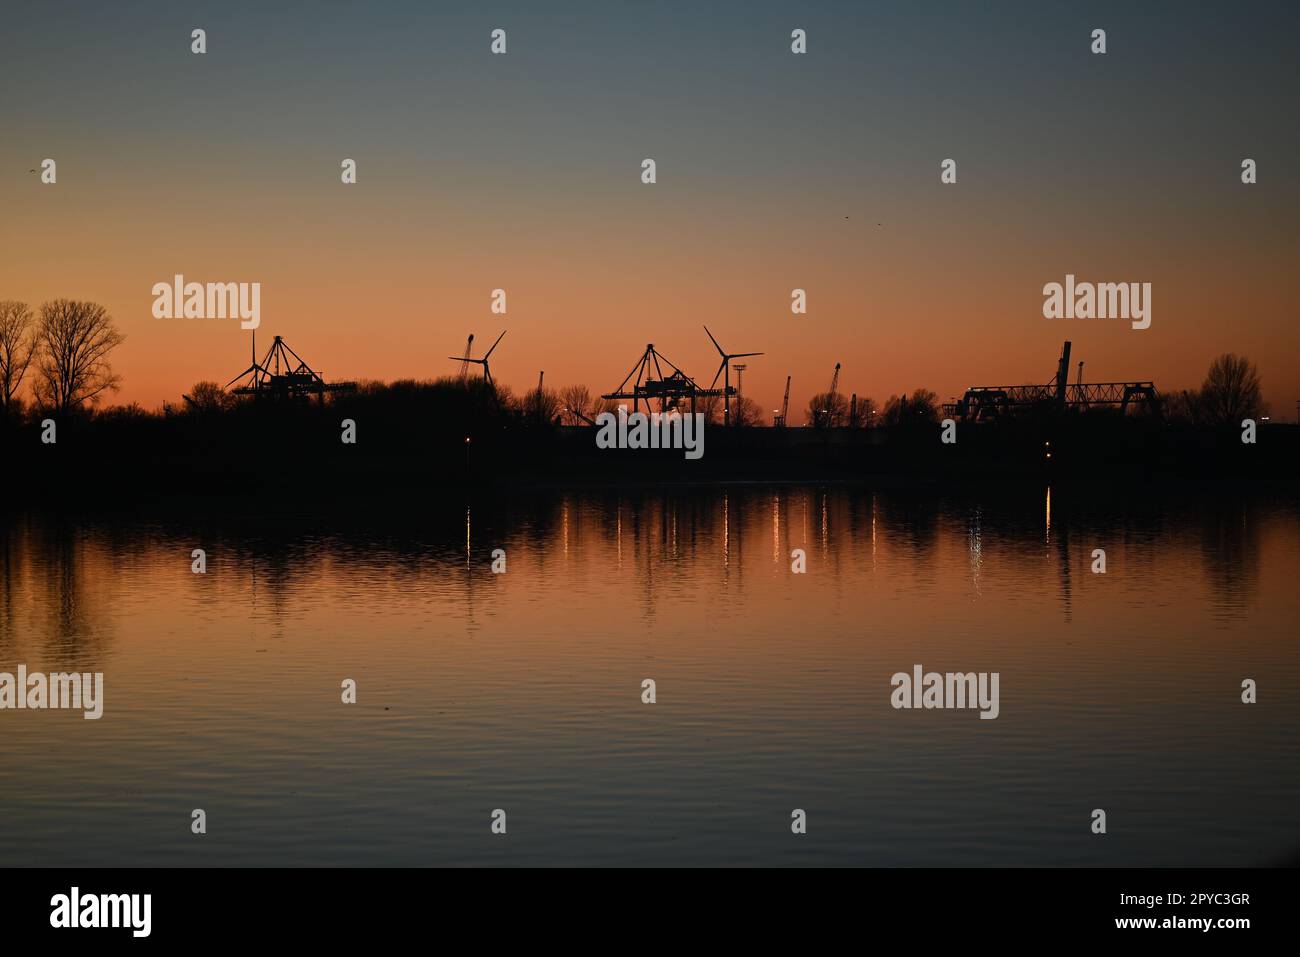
{"x": 920, "y": 408}
{"x": 710, "y": 406}
{"x": 540, "y": 405}
{"x": 209, "y": 397}
{"x": 74, "y": 339}
{"x": 575, "y": 402}
{"x": 828, "y": 410}
{"x": 17, "y": 346}
{"x": 1182, "y": 407}
{"x": 862, "y": 417}
{"x": 1231, "y": 391}
{"x": 745, "y": 412}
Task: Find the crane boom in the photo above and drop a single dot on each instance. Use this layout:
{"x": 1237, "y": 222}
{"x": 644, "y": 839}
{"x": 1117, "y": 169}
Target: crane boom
{"x": 779, "y": 421}
{"x": 469, "y": 348}
{"x": 825, "y": 417}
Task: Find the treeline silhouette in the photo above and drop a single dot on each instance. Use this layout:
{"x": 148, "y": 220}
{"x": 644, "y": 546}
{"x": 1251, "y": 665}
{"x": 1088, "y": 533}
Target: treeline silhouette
{"x": 469, "y": 431}
{"x": 417, "y": 435}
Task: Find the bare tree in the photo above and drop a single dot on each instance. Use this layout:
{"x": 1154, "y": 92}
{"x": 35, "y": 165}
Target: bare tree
{"x": 576, "y": 404}
{"x": 925, "y": 406}
{"x": 540, "y": 405}
{"x": 920, "y": 408}
{"x": 17, "y": 346}
{"x": 828, "y": 409}
{"x": 1183, "y": 407}
{"x": 745, "y": 412}
{"x": 710, "y": 406}
{"x": 1231, "y": 390}
{"x": 864, "y": 416}
{"x": 74, "y": 340}
{"x": 209, "y": 397}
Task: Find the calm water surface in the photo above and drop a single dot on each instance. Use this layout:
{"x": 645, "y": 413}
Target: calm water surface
{"x": 522, "y": 691}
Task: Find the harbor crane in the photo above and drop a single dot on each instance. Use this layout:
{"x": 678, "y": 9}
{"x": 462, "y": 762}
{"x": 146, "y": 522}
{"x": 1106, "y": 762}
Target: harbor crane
{"x": 466, "y": 359}
{"x": 822, "y": 418}
{"x": 779, "y": 420}
{"x": 649, "y": 384}
{"x": 985, "y": 402}
{"x": 464, "y": 364}
{"x": 282, "y": 374}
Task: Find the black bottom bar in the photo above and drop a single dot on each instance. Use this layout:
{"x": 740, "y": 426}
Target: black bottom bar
{"x": 927, "y": 906}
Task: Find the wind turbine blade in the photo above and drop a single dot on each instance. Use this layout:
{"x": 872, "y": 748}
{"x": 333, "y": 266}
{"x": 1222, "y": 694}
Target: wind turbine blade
{"x": 494, "y": 345}
{"x": 240, "y": 376}
{"x": 715, "y": 342}
{"x": 718, "y": 373}
{"x": 741, "y": 355}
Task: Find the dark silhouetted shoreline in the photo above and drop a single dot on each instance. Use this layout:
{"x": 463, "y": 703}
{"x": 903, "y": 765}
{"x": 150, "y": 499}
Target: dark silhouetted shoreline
{"x": 440, "y": 436}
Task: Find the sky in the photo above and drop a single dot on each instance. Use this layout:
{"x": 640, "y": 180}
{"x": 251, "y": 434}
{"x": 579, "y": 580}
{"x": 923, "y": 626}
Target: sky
{"x": 775, "y": 171}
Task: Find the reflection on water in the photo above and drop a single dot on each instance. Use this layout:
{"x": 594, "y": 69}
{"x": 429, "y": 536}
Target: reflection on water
{"x": 522, "y": 690}
{"x": 1230, "y": 549}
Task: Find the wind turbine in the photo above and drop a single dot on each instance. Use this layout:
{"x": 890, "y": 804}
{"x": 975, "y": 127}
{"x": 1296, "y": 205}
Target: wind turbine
{"x": 724, "y": 370}
{"x": 256, "y": 368}
{"x": 465, "y": 360}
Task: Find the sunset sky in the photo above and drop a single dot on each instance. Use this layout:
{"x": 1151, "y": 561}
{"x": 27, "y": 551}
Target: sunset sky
{"x": 775, "y": 171}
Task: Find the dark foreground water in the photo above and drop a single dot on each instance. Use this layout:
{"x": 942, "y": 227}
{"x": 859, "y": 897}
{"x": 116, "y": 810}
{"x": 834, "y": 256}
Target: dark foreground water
{"x": 523, "y": 691}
